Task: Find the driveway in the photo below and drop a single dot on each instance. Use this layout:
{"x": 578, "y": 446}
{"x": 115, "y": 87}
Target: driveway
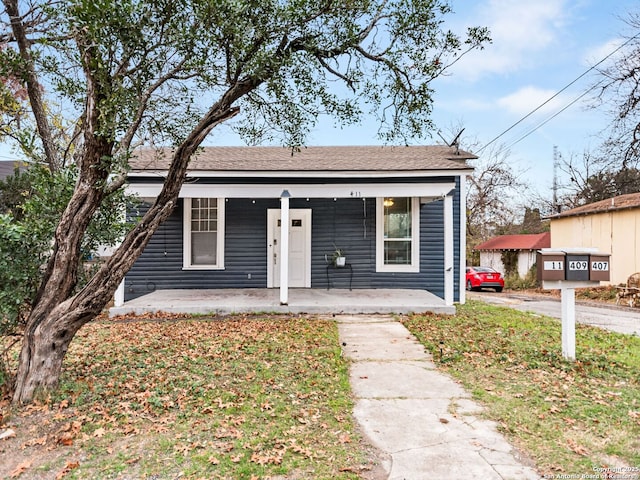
{"x": 610, "y": 317}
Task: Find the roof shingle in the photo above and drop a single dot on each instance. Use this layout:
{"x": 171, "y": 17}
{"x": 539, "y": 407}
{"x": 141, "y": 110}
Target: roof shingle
{"x": 336, "y": 158}
{"x": 534, "y": 241}
{"x": 621, "y": 202}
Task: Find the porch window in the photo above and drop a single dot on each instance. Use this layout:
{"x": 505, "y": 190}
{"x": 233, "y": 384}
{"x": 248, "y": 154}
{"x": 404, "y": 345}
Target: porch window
{"x": 397, "y": 234}
{"x": 203, "y": 233}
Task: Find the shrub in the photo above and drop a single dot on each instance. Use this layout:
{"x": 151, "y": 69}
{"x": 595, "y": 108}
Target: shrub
{"x": 513, "y": 281}
{"x": 31, "y": 204}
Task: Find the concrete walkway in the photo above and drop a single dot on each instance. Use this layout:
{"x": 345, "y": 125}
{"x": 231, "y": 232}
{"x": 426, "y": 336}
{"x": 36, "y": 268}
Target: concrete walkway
{"x": 423, "y": 421}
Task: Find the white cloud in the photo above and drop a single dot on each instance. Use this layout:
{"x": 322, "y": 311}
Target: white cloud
{"x": 600, "y": 52}
{"x": 519, "y": 30}
{"x": 527, "y": 99}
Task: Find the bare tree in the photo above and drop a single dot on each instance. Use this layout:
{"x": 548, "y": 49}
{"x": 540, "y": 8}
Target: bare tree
{"x": 619, "y": 89}
{"x": 593, "y": 177}
{"x": 173, "y": 71}
{"x": 494, "y": 196}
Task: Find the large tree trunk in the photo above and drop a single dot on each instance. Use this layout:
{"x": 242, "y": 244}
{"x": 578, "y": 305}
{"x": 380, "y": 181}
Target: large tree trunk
{"x": 43, "y": 349}
{"x": 57, "y": 315}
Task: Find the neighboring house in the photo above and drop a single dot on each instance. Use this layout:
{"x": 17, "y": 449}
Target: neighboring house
{"x": 612, "y": 226}
{"x": 397, "y": 212}
{"x": 8, "y": 167}
{"x": 523, "y": 247}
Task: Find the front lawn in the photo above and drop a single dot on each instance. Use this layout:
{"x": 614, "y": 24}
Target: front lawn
{"x": 263, "y": 397}
{"x": 241, "y": 398}
{"x": 569, "y": 417}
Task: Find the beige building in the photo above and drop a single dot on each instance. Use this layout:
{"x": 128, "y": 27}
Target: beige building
{"x": 612, "y": 226}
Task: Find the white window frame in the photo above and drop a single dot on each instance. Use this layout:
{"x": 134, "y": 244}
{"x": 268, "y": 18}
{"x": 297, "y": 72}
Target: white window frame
{"x": 414, "y": 267}
{"x": 186, "y": 247}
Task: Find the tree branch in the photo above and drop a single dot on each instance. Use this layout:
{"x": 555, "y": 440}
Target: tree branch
{"x": 33, "y": 85}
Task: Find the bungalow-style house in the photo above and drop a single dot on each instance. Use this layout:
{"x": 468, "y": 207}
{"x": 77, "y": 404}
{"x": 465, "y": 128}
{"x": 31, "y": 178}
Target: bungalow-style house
{"x": 611, "y": 225}
{"x": 523, "y": 248}
{"x": 270, "y": 218}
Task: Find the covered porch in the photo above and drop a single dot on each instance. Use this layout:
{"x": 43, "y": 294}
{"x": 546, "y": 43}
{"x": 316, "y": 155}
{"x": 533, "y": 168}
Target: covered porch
{"x": 301, "y": 300}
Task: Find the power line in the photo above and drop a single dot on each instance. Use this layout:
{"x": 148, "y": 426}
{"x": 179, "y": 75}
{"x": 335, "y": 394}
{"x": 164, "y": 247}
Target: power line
{"x": 554, "y": 96}
{"x": 548, "y": 119}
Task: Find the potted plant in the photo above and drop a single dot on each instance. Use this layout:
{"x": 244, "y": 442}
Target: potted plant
{"x": 339, "y": 258}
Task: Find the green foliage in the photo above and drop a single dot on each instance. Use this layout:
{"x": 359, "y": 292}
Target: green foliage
{"x": 513, "y": 281}
{"x": 295, "y": 60}
{"x": 510, "y": 262}
{"x": 608, "y": 184}
{"x": 31, "y": 203}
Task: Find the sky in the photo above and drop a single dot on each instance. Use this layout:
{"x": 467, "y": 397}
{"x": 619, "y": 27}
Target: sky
{"x": 538, "y": 48}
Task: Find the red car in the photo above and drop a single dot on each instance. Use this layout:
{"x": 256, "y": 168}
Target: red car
{"x": 484, "y": 277}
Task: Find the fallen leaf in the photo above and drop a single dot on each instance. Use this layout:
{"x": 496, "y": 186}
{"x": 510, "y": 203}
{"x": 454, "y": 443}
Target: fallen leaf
{"x": 36, "y": 441}
{"x": 20, "y": 469}
{"x": 68, "y": 467}
{"x": 66, "y": 439}
{"x": 99, "y": 433}
{"x": 576, "y": 448}
{"x": 350, "y": 469}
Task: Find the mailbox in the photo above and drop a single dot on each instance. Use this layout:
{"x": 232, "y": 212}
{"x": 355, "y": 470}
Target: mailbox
{"x": 577, "y": 266}
{"x": 566, "y": 270}
{"x": 550, "y": 265}
{"x": 599, "y": 267}
{"x": 573, "y": 265}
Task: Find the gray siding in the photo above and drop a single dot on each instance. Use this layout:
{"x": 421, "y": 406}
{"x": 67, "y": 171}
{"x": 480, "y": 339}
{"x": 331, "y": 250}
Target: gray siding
{"x": 346, "y": 223}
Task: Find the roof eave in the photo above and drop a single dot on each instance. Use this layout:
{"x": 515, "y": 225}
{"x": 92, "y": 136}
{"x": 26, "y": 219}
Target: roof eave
{"x": 592, "y": 212}
{"x": 308, "y": 174}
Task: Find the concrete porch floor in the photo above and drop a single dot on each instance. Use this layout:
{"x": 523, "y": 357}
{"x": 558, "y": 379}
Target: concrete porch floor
{"x": 301, "y": 300}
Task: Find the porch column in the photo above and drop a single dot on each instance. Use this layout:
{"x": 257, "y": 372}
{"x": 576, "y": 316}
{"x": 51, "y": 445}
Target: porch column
{"x": 448, "y": 250}
{"x": 284, "y": 247}
{"x": 463, "y": 240}
{"x": 118, "y": 297}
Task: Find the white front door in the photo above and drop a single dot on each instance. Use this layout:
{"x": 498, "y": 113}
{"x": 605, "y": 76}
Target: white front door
{"x": 299, "y": 248}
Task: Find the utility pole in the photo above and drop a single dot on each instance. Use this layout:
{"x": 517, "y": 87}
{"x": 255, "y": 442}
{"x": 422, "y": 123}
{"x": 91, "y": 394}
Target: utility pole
{"x": 556, "y": 161}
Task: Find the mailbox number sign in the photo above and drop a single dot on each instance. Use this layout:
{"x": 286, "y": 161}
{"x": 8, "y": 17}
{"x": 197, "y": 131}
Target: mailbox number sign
{"x": 578, "y": 265}
{"x": 600, "y": 266}
{"x": 557, "y": 265}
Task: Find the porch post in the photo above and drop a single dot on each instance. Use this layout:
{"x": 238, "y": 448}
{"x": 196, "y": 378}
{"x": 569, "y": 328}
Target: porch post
{"x": 118, "y": 297}
{"x": 463, "y": 240}
{"x": 448, "y": 250}
{"x": 284, "y": 247}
